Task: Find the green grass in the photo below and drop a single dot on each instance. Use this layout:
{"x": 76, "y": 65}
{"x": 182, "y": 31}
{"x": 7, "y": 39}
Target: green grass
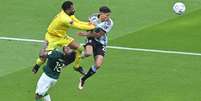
{"x": 141, "y": 76}
{"x": 181, "y": 34}
{"x": 125, "y": 75}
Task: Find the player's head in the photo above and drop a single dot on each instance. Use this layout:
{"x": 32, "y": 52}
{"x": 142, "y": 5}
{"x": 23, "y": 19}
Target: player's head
{"x": 67, "y": 50}
{"x": 104, "y": 13}
{"x": 69, "y": 54}
{"x": 67, "y": 6}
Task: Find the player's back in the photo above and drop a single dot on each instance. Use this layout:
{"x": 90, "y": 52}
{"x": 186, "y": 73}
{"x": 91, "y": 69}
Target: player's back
{"x": 56, "y": 61}
{"x": 60, "y": 24}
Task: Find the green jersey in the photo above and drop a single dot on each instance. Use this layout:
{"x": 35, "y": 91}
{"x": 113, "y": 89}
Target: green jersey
{"x": 56, "y": 62}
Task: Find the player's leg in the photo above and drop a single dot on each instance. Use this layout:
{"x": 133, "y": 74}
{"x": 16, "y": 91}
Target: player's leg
{"x": 88, "y": 47}
{"x": 99, "y": 53}
{"x": 42, "y": 57}
{"x": 39, "y": 97}
{"x": 47, "y": 97}
{"x": 92, "y": 70}
{"x": 88, "y": 50}
{"x": 76, "y": 46}
{"x": 70, "y": 42}
{"x": 44, "y": 83}
{"x": 76, "y": 64}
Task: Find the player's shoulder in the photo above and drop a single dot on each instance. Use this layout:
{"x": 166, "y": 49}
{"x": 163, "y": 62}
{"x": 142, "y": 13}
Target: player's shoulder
{"x": 63, "y": 16}
{"x": 109, "y": 22}
{"x": 54, "y": 54}
{"x": 106, "y": 25}
{"x": 93, "y": 17}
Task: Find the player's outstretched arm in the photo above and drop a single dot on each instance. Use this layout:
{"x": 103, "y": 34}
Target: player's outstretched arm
{"x": 97, "y": 33}
{"x": 77, "y": 25}
{"x": 78, "y": 21}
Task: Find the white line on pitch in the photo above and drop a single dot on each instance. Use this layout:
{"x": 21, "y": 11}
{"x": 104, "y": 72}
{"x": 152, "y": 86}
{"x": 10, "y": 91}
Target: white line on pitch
{"x": 113, "y": 47}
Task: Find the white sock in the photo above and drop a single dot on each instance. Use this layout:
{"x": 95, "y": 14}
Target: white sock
{"x": 94, "y": 68}
{"x": 47, "y": 98}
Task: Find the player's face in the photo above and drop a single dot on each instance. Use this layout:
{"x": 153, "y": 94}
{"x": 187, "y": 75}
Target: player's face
{"x": 66, "y": 50}
{"x": 104, "y": 16}
{"x": 71, "y": 11}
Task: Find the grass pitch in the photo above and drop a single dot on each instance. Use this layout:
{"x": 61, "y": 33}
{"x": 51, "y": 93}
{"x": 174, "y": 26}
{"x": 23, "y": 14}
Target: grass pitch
{"x": 125, "y": 75}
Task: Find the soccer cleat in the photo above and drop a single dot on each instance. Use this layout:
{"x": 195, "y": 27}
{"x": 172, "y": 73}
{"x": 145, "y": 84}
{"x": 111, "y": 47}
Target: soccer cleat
{"x": 35, "y": 68}
{"x": 81, "y": 84}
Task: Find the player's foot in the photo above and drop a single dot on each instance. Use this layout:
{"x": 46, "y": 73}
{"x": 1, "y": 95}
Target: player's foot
{"x": 81, "y": 84}
{"x": 80, "y": 70}
{"x": 35, "y": 68}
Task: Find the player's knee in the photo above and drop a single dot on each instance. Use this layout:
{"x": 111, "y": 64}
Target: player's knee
{"x": 98, "y": 66}
{"x": 87, "y": 54}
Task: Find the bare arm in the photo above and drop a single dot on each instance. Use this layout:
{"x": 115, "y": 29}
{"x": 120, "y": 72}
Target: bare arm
{"x": 97, "y": 33}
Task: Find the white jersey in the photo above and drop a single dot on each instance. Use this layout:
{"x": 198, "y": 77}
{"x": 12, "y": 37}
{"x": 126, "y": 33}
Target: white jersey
{"x": 106, "y": 26}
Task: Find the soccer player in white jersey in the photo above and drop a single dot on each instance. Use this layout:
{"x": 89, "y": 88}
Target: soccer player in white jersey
{"x": 97, "y": 40}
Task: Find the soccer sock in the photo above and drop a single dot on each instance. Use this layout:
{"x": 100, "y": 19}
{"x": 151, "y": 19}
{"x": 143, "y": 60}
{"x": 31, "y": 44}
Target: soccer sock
{"x": 47, "y": 98}
{"x": 91, "y": 72}
{"x": 76, "y": 63}
{"x": 39, "y": 62}
{"x": 81, "y": 50}
{"x": 80, "y": 70}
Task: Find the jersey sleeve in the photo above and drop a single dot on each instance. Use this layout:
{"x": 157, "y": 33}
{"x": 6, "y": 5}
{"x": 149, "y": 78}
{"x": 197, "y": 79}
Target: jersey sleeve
{"x": 82, "y": 26}
{"x": 67, "y": 20}
{"x": 77, "y": 20}
{"x": 106, "y": 26}
{"x": 93, "y": 19}
{"x": 53, "y": 55}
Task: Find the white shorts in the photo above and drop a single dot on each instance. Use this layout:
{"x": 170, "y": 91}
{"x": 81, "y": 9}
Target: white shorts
{"x": 44, "y": 83}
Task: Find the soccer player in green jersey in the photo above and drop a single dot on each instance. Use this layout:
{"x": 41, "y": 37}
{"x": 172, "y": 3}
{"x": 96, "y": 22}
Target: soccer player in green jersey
{"x": 57, "y": 60}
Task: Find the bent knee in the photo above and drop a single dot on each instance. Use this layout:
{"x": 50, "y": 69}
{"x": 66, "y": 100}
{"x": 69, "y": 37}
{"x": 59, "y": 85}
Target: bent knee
{"x": 88, "y": 54}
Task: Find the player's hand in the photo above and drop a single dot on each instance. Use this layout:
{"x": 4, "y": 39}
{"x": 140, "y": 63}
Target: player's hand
{"x": 90, "y": 23}
{"x": 81, "y": 33}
